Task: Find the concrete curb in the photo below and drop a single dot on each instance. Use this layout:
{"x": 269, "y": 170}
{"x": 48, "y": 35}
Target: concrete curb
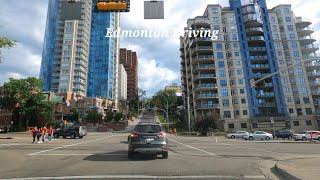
{"x": 285, "y": 174}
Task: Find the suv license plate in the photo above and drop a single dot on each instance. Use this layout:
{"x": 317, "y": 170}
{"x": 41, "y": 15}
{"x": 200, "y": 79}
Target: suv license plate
{"x": 149, "y": 140}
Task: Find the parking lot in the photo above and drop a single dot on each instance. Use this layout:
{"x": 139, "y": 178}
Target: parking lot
{"x": 104, "y": 155}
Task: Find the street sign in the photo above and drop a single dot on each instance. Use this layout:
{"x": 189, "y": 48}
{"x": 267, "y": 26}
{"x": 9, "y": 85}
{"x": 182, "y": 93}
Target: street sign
{"x": 272, "y": 120}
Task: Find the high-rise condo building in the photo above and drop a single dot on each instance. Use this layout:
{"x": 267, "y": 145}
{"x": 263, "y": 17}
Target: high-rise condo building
{"x": 253, "y": 42}
{"x": 77, "y": 57}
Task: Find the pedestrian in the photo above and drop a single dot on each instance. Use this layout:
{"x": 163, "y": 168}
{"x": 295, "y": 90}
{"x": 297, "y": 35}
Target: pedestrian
{"x": 38, "y": 135}
{"x": 50, "y": 133}
{"x": 43, "y": 133}
{"x": 34, "y": 134}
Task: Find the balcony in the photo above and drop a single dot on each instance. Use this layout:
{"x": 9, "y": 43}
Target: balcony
{"x": 203, "y": 58}
{"x": 252, "y": 21}
{"x": 257, "y": 50}
{"x": 206, "y": 86}
{"x": 306, "y": 40}
{"x": 312, "y": 65}
{"x": 311, "y": 55}
{"x": 256, "y": 40}
{"x": 302, "y": 22}
{"x": 258, "y": 59}
{"x": 305, "y": 31}
{"x": 204, "y": 76}
{"x": 207, "y": 106}
{"x": 203, "y": 22}
{"x": 267, "y": 104}
{"x": 260, "y": 66}
{"x": 313, "y": 74}
{"x": 207, "y": 49}
{"x": 266, "y": 94}
{"x": 208, "y": 67}
{"x": 315, "y": 93}
{"x": 206, "y": 96}
{"x": 182, "y": 54}
{"x": 55, "y": 74}
{"x": 260, "y": 75}
{"x": 309, "y": 48}
{"x": 202, "y": 39}
{"x": 255, "y": 31}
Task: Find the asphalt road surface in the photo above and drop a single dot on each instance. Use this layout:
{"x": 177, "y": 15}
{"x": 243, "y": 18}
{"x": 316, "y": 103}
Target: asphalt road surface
{"x": 104, "y": 156}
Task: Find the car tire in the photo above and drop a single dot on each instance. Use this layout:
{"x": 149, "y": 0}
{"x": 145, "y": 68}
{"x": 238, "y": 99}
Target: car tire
{"x": 64, "y": 137}
{"x": 251, "y": 138}
{"x": 267, "y": 138}
{"x": 304, "y": 139}
{"x": 80, "y": 137}
{"x": 165, "y": 155}
{"x": 72, "y": 135}
{"x": 290, "y": 138}
{"x": 56, "y": 135}
{"x": 233, "y": 137}
{"x": 296, "y": 139}
{"x": 130, "y": 155}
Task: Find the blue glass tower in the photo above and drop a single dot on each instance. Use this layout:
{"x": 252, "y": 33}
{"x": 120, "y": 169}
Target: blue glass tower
{"x": 49, "y": 45}
{"x": 101, "y": 56}
{"x": 257, "y": 50}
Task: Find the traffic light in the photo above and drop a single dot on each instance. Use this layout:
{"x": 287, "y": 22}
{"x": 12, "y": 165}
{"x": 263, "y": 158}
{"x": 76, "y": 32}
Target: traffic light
{"x": 113, "y": 5}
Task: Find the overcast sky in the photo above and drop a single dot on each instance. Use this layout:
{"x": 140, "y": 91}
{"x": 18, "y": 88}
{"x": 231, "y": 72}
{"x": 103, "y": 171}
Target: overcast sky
{"x": 159, "y": 61}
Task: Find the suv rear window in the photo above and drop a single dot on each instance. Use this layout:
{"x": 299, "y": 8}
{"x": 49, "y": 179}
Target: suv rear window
{"x": 148, "y": 128}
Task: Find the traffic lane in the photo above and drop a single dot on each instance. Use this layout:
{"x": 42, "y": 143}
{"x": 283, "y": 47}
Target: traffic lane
{"x": 101, "y": 164}
{"x": 252, "y": 148}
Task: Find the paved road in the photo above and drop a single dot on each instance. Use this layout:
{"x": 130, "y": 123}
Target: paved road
{"x": 104, "y": 156}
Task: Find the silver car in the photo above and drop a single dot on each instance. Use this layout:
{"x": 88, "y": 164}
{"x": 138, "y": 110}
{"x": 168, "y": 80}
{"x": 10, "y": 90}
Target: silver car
{"x": 238, "y": 134}
{"x": 258, "y": 135}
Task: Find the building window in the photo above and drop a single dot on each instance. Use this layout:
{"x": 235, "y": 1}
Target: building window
{"x": 234, "y": 37}
{"x": 279, "y": 53}
{"x": 227, "y": 114}
{"x": 281, "y": 62}
{"x": 224, "y": 92}
{"x": 239, "y": 72}
{"x": 215, "y": 19}
{"x": 274, "y": 28}
{"x": 292, "y": 36}
{"x": 220, "y": 55}
{"x": 296, "y": 54}
{"x": 243, "y": 101}
{"x": 308, "y": 111}
{"x": 286, "y": 89}
{"x": 308, "y": 123}
{"x": 238, "y": 63}
{"x": 289, "y": 99}
{"x": 223, "y": 82}
{"x": 245, "y": 112}
{"x": 244, "y": 125}
{"x": 306, "y": 100}
{"x": 284, "y": 80}
{"x": 273, "y": 19}
{"x": 241, "y": 91}
{"x": 222, "y": 73}
{"x": 216, "y": 27}
{"x": 215, "y": 11}
{"x": 276, "y": 36}
{"x": 286, "y": 10}
{"x": 302, "y": 81}
{"x": 290, "y": 27}
{"x": 296, "y": 123}
{"x": 237, "y": 113}
{"x": 235, "y": 45}
{"x": 231, "y": 126}
{"x": 294, "y": 44}
{"x": 278, "y": 44}
{"x": 291, "y": 111}
{"x": 288, "y": 19}
{"x": 304, "y": 90}
{"x": 219, "y": 46}
{"x": 236, "y": 54}
{"x": 225, "y": 102}
{"x": 240, "y": 81}
{"x": 231, "y": 19}
{"x": 221, "y": 64}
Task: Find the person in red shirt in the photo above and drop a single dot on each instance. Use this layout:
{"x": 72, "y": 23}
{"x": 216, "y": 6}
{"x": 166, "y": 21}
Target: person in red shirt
{"x": 50, "y": 134}
{"x": 34, "y": 134}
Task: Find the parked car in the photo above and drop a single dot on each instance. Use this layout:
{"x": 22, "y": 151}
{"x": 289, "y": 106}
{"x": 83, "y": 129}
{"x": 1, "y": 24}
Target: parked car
{"x": 306, "y": 135}
{"x": 238, "y": 134}
{"x": 72, "y": 131}
{"x": 284, "y": 134}
{"x": 258, "y": 135}
{"x": 4, "y": 129}
{"x": 148, "y": 138}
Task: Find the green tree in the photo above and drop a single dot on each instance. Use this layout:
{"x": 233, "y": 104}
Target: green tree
{"x": 5, "y": 43}
{"x": 110, "y": 116}
{"x": 93, "y": 116}
{"x": 25, "y": 98}
{"x": 159, "y": 100}
{"x": 118, "y": 116}
{"x": 209, "y": 121}
{"x": 73, "y": 116}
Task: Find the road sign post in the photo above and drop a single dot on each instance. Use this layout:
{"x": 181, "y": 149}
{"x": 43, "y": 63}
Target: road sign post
{"x": 272, "y": 122}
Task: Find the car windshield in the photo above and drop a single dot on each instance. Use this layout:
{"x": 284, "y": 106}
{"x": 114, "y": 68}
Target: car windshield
{"x": 148, "y": 129}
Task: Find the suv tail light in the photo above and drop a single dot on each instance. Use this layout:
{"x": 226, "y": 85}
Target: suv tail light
{"x": 162, "y": 134}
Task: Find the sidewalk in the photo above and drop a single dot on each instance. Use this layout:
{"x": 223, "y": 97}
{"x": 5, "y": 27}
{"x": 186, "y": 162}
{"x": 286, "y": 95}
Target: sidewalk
{"x": 299, "y": 168}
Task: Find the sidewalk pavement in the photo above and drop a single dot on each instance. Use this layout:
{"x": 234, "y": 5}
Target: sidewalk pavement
{"x": 306, "y": 168}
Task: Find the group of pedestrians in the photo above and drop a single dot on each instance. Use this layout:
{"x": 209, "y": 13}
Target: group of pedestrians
{"x": 40, "y": 134}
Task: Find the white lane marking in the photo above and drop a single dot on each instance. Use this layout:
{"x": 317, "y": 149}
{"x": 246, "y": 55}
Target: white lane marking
{"x": 143, "y": 177}
{"x": 14, "y": 144}
{"x": 193, "y": 147}
{"x": 68, "y": 145}
{"x": 263, "y": 150}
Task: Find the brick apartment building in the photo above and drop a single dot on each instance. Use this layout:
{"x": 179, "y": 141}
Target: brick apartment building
{"x": 130, "y": 62}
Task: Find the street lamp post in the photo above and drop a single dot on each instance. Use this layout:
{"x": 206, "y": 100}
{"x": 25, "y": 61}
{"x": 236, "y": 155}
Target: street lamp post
{"x": 167, "y": 107}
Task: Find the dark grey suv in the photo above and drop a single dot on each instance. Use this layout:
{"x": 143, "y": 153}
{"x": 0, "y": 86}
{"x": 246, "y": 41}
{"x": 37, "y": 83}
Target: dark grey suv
{"x": 148, "y": 138}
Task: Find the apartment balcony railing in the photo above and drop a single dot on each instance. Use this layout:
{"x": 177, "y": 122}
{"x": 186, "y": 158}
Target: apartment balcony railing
{"x": 207, "y": 96}
{"x": 254, "y": 31}
{"x": 305, "y": 31}
{"x": 260, "y": 75}
{"x": 259, "y": 57}
{"x": 255, "y": 38}
{"x": 202, "y": 39}
{"x": 201, "y": 48}
{"x": 260, "y": 66}
{"x": 302, "y": 22}
{"x": 206, "y": 85}
{"x": 267, "y": 104}
{"x": 56, "y": 74}
{"x": 203, "y": 57}
{"x": 204, "y": 76}
{"x": 312, "y": 64}
{"x": 311, "y": 55}
{"x": 207, "y": 106}
{"x": 315, "y": 73}
{"x": 257, "y": 48}
{"x": 201, "y": 67}
{"x": 266, "y": 94}
{"x": 317, "y": 93}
